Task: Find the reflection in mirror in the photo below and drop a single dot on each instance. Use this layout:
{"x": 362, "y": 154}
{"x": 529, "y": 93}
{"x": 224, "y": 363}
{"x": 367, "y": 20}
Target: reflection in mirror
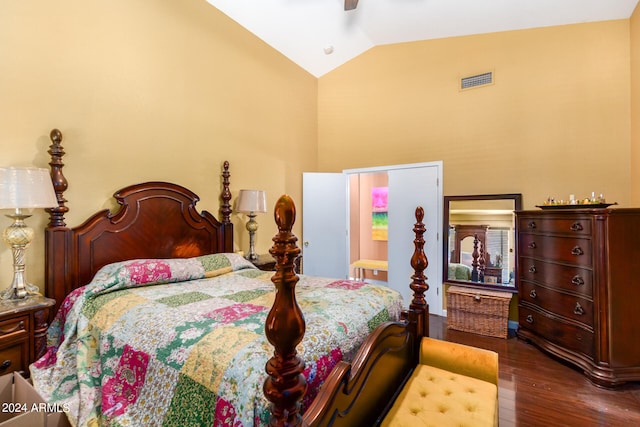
{"x": 479, "y": 244}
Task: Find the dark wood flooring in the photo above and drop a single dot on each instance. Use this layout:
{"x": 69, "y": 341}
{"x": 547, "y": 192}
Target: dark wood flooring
{"x": 535, "y": 389}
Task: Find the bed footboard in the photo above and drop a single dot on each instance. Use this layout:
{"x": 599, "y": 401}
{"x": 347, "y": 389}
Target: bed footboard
{"x": 357, "y": 393}
{"x": 360, "y": 393}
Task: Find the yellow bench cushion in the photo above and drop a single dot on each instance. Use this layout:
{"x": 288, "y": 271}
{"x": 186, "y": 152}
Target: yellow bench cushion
{"x": 439, "y": 398}
{"x": 463, "y": 359}
{"x": 371, "y": 264}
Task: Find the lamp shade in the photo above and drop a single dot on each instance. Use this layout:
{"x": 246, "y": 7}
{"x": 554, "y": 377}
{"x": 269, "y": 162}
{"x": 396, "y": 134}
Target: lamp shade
{"x": 252, "y": 201}
{"x": 26, "y": 187}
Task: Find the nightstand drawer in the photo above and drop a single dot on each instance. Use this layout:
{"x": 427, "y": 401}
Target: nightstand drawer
{"x": 13, "y": 358}
{"x": 15, "y": 328}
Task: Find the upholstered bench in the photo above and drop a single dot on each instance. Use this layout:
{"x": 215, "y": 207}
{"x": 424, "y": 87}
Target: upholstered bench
{"x": 453, "y": 385}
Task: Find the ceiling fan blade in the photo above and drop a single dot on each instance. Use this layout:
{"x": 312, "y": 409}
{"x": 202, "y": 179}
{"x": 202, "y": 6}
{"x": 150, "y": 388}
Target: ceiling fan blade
{"x": 350, "y": 4}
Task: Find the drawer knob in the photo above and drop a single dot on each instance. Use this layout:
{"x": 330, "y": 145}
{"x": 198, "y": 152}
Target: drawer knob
{"x": 578, "y": 309}
{"x": 18, "y": 327}
{"x": 532, "y": 269}
{"x": 533, "y": 293}
{"x": 529, "y": 318}
{"x": 577, "y": 280}
{"x": 576, "y": 226}
{"x": 5, "y": 365}
{"x": 532, "y": 245}
{"x": 532, "y": 224}
{"x": 577, "y": 250}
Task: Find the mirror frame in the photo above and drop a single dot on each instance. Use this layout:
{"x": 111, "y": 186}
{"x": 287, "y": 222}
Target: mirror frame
{"x": 517, "y": 199}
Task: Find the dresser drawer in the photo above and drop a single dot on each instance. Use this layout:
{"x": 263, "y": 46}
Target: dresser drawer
{"x": 12, "y": 329}
{"x": 561, "y": 304}
{"x": 556, "y": 331}
{"x": 572, "y": 225}
{"x": 562, "y": 277}
{"x": 13, "y": 358}
{"x": 564, "y": 249}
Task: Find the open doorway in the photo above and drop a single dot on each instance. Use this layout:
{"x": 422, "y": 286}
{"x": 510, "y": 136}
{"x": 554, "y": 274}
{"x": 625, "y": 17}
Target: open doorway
{"x": 369, "y": 226}
{"x": 337, "y": 225}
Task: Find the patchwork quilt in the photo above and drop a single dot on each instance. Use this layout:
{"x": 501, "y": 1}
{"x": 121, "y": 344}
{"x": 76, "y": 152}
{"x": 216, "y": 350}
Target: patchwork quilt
{"x": 181, "y": 342}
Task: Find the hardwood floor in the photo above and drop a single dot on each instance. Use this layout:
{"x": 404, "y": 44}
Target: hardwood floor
{"x": 536, "y": 389}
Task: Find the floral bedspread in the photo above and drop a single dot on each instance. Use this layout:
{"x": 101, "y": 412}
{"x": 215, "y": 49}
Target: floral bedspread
{"x": 181, "y": 342}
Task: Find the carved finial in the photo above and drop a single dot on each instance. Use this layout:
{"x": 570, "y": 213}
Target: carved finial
{"x": 481, "y": 263}
{"x": 225, "y": 195}
{"x": 56, "y": 215}
{"x": 419, "y": 284}
{"x": 474, "y": 262}
{"x": 285, "y": 326}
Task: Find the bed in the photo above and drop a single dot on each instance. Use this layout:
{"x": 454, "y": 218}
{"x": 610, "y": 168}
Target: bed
{"x": 159, "y": 323}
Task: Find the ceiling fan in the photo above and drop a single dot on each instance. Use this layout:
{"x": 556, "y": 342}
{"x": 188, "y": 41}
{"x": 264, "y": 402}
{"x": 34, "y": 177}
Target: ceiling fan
{"x": 350, "y": 4}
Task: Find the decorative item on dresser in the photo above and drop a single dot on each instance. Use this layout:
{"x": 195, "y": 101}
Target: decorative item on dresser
{"x": 23, "y": 328}
{"x": 579, "y": 288}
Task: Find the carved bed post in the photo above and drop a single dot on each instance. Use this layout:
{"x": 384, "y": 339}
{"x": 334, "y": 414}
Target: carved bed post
{"x": 474, "y": 262}
{"x": 56, "y": 268}
{"x": 481, "y": 263}
{"x": 56, "y": 215}
{"x": 225, "y": 210}
{"x": 285, "y": 326}
{"x": 419, "y": 284}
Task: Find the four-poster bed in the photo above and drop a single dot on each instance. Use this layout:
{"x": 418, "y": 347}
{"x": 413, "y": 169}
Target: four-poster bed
{"x": 123, "y": 266}
{"x": 160, "y": 323}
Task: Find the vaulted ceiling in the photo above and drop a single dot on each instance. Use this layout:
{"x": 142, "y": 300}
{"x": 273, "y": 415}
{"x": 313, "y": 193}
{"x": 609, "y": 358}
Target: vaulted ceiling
{"x": 319, "y": 35}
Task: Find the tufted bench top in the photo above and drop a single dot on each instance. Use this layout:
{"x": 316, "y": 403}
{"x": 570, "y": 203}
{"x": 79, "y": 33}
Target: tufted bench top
{"x": 454, "y": 385}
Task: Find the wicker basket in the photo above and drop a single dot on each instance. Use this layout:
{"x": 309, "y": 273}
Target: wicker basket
{"x": 478, "y": 311}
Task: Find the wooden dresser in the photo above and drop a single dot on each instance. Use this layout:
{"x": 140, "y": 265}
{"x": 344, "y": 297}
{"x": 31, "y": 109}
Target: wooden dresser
{"x": 578, "y": 277}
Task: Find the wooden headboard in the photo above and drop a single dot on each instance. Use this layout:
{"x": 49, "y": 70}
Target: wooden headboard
{"x": 155, "y": 220}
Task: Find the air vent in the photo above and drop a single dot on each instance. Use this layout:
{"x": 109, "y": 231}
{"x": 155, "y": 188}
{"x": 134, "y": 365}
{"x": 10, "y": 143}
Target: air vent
{"x": 477, "y": 80}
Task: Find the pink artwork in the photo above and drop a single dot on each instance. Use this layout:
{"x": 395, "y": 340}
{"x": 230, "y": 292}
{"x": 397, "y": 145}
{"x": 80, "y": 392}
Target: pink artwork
{"x": 379, "y": 217}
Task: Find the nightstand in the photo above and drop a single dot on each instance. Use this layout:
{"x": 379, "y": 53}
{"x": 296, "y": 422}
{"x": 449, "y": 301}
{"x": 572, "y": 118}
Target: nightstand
{"x": 266, "y": 262}
{"x": 23, "y": 332}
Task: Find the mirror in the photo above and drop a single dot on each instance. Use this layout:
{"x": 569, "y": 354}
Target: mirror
{"x": 479, "y": 240}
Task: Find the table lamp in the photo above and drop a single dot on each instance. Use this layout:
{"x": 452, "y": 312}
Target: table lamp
{"x": 252, "y": 202}
{"x": 23, "y": 188}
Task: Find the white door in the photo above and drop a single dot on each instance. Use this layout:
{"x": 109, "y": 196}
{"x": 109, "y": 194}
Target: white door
{"x": 325, "y": 241}
{"x": 411, "y": 186}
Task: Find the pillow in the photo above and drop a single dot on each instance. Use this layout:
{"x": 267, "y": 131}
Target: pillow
{"x": 217, "y": 264}
{"x": 139, "y": 272}
{"x": 459, "y": 272}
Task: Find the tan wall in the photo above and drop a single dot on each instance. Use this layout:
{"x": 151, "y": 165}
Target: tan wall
{"x": 556, "y": 121}
{"x": 635, "y": 107}
{"x": 148, "y": 90}
{"x": 132, "y": 84}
